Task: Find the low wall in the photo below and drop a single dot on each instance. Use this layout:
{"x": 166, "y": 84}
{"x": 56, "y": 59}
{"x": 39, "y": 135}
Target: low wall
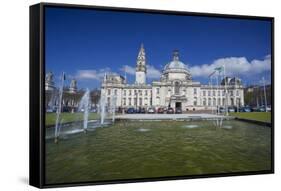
{"x": 255, "y": 122}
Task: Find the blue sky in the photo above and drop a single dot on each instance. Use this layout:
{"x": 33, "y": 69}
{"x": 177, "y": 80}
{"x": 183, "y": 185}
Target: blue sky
{"x": 87, "y": 43}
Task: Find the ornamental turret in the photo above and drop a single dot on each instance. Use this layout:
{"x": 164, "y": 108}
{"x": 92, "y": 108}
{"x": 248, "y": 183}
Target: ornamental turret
{"x": 49, "y": 82}
{"x": 73, "y": 86}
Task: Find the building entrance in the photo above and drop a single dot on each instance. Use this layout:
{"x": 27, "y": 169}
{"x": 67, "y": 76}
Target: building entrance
{"x": 178, "y": 105}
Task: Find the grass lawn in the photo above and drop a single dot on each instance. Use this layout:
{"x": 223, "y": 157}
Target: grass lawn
{"x": 68, "y": 117}
{"x": 258, "y": 116}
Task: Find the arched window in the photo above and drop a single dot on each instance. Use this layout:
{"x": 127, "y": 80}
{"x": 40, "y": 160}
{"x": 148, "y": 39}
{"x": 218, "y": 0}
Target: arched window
{"x": 214, "y": 102}
{"x": 177, "y": 88}
{"x": 195, "y": 101}
{"x": 204, "y": 102}
{"x": 238, "y": 102}
{"x": 209, "y": 102}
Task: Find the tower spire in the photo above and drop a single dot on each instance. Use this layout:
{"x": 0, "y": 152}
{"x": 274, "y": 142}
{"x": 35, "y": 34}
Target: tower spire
{"x": 141, "y": 60}
{"x": 141, "y": 66}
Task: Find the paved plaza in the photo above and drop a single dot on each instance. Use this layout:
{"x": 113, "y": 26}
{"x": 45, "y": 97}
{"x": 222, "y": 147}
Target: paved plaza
{"x": 170, "y": 116}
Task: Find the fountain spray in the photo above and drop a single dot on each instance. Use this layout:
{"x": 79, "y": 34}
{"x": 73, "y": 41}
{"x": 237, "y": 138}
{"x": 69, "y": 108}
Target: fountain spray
{"x": 102, "y": 108}
{"x": 59, "y": 107}
{"x": 85, "y": 103}
{"x": 113, "y": 107}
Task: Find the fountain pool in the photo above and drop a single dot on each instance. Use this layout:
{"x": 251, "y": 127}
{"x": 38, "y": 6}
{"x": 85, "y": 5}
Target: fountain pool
{"x": 166, "y": 148}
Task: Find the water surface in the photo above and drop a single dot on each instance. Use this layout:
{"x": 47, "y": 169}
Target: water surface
{"x": 156, "y": 149}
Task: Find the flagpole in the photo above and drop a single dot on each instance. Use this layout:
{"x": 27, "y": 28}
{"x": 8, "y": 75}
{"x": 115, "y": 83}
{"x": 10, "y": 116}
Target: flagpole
{"x": 225, "y": 89}
{"x": 211, "y": 94}
{"x": 217, "y": 94}
{"x": 265, "y": 101}
{"x": 237, "y": 104}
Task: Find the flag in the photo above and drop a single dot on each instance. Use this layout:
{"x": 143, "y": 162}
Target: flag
{"x": 219, "y": 69}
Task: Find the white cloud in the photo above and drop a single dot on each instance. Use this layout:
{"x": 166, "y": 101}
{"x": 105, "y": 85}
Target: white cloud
{"x": 129, "y": 69}
{"x": 91, "y": 74}
{"x": 152, "y": 72}
{"x": 234, "y": 66}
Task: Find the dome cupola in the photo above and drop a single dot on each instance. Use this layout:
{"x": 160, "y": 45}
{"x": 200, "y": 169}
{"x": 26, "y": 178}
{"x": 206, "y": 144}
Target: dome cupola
{"x": 176, "y": 69}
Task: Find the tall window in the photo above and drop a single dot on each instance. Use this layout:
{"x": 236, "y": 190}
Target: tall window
{"x": 209, "y": 102}
{"x": 232, "y": 101}
{"x": 130, "y": 93}
{"x": 158, "y": 90}
{"x": 124, "y": 92}
{"x": 195, "y": 91}
{"x": 204, "y": 93}
{"x": 145, "y": 101}
{"x": 146, "y": 92}
{"x": 140, "y": 101}
{"x": 130, "y": 101}
{"x": 177, "y": 88}
{"x": 124, "y": 101}
{"x": 195, "y": 101}
{"x": 108, "y": 92}
{"x": 204, "y": 102}
{"x": 108, "y": 101}
{"x": 115, "y": 92}
{"x": 238, "y": 102}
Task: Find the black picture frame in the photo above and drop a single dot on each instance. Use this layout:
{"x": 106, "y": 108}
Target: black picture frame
{"x": 37, "y": 94}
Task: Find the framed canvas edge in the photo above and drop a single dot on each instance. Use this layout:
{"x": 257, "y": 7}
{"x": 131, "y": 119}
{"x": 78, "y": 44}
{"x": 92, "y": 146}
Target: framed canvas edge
{"x": 38, "y": 90}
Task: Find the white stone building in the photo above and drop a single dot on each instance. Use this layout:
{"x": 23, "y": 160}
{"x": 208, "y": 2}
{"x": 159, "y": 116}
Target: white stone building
{"x": 175, "y": 89}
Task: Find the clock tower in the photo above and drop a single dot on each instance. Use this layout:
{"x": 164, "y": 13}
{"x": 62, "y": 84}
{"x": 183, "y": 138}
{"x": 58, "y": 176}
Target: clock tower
{"x": 141, "y": 67}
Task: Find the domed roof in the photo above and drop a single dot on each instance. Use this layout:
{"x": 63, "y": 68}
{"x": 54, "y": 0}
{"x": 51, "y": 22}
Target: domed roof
{"x": 175, "y": 63}
{"x": 175, "y": 70}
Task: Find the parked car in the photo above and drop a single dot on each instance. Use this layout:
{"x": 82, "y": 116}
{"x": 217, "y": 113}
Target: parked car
{"x": 222, "y": 109}
{"x": 141, "y": 110}
{"x": 151, "y": 110}
{"x": 94, "y": 110}
{"x": 261, "y": 109}
{"x": 178, "y": 110}
{"x": 170, "y": 110}
{"x": 66, "y": 109}
{"x": 231, "y": 109}
{"x": 130, "y": 110}
{"x": 245, "y": 109}
{"x": 49, "y": 110}
{"x": 160, "y": 110}
{"x": 268, "y": 108}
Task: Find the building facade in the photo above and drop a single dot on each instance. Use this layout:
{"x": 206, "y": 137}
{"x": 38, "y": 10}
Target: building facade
{"x": 175, "y": 88}
{"x": 71, "y": 95}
